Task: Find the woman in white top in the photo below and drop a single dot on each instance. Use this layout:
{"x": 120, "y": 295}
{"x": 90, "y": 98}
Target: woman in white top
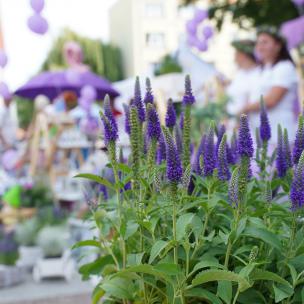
{"x": 240, "y": 88}
{"x": 277, "y": 83}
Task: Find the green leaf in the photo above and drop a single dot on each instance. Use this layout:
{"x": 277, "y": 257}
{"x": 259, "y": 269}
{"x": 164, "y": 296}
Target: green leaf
{"x": 168, "y": 268}
{"x": 131, "y": 228}
{"x": 224, "y": 291}
{"x": 293, "y": 273}
{"x": 203, "y": 294}
{"x": 220, "y": 275}
{"x": 251, "y": 296}
{"x": 124, "y": 168}
{"x": 86, "y": 243}
{"x": 98, "y": 293}
{"x": 208, "y": 262}
{"x": 156, "y": 249}
{"x": 120, "y": 288}
{"x": 245, "y": 271}
{"x": 265, "y": 235}
{"x": 134, "y": 258}
{"x": 281, "y": 293}
{"x": 241, "y": 226}
{"x": 96, "y": 178}
{"x": 181, "y": 225}
{"x": 263, "y": 275}
{"x": 96, "y": 266}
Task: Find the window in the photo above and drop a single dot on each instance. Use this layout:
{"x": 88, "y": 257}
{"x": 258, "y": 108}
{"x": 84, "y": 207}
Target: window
{"x": 154, "y": 10}
{"x": 155, "y": 40}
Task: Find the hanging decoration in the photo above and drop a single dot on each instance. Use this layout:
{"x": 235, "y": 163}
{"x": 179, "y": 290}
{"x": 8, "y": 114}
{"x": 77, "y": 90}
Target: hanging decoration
{"x": 37, "y": 23}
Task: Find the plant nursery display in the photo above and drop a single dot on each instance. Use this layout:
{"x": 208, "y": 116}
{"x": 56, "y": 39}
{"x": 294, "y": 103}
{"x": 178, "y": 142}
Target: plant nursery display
{"x": 219, "y": 223}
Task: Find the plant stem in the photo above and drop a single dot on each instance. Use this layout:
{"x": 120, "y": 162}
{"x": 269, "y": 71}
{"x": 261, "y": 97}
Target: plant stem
{"x": 236, "y": 296}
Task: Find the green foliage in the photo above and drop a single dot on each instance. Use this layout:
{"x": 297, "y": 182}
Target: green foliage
{"x": 8, "y": 248}
{"x": 168, "y": 65}
{"x": 25, "y": 111}
{"x": 26, "y": 232}
{"x": 103, "y": 59}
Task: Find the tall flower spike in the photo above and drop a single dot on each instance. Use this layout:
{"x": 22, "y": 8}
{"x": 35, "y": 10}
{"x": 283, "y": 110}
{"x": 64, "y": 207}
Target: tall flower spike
{"x": 297, "y": 186}
{"x": 281, "y": 161}
{"x": 138, "y": 101}
{"x": 108, "y": 112}
{"x": 220, "y": 133}
{"x": 258, "y": 138}
{"x": 199, "y": 153}
{"x": 245, "y": 145}
{"x": 223, "y": 169}
{"x": 127, "y": 119}
{"x": 188, "y": 97}
{"x": 209, "y": 153}
{"x": 153, "y": 124}
{"x": 287, "y": 149}
{"x": 134, "y": 139}
{"x": 299, "y": 142}
{"x": 149, "y": 98}
{"x": 174, "y": 166}
{"x": 110, "y": 129}
{"x": 170, "y": 115}
{"x": 233, "y": 191}
{"x": 178, "y": 139}
{"x": 265, "y": 130}
{"x": 161, "y": 151}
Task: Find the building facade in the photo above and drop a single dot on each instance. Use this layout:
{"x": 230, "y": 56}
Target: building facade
{"x": 145, "y": 31}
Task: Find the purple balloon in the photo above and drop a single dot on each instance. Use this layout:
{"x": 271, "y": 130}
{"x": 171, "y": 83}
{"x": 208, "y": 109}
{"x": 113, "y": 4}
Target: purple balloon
{"x": 202, "y": 45}
{"x": 200, "y": 15}
{"x": 3, "y": 59}
{"x": 72, "y": 76}
{"x": 298, "y": 2}
{"x": 37, "y": 5}
{"x": 192, "y": 40}
{"x": 38, "y": 24}
{"x": 4, "y": 91}
{"x": 88, "y": 92}
{"x": 207, "y": 31}
{"x": 191, "y": 27}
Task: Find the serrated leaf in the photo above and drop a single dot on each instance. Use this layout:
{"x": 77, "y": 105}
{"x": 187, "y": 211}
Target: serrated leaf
{"x": 96, "y": 266}
{"x": 281, "y": 292}
{"x": 208, "y": 262}
{"x": 202, "y": 294}
{"x": 224, "y": 291}
{"x": 96, "y": 178}
{"x": 263, "y": 275}
{"x": 120, "y": 288}
{"x": 181, "y": 225}
{"x": 156, "y": 249}
{"x": 168, "y": 268}
{"x": 86, "y": 243}
{"x": 124, "y": 168}
{"x": 220, "y": 275}
{"x": 131, "y": 228}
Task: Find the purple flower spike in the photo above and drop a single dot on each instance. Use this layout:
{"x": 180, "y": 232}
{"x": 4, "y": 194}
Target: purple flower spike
{"x": 174, "y": 165}
{"x": 199, "y": 152}
{"x": 281, "y": 161}
{"x": 127, "y": 119}
{"x": 287, "y": 149}
{"x": 223, "y": 169}
{"x": 138, "y": 102}
{"x": 265, "y": 130}
{"x": 161, "y": 151}
{"x": 178, "y": 139}
{"x": 103, "y": 189}
{"x": 245, "y": 145}
{"x": 297, "y": 186}
{"x": 153, "y": 125}
{"x": 170, "y": 115}
{"x": 299, "y": 142}
{"x": 149, "y": 98}
{"x": 188, "y": 97}
{"x": 108, "y": 112}
{"x": 220, "y": 133}
{"x": 209, "y": 153}
{"x": 110, "y": 130}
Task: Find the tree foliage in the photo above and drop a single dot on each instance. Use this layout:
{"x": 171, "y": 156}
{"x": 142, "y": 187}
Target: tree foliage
{"x": 103, "y": 59}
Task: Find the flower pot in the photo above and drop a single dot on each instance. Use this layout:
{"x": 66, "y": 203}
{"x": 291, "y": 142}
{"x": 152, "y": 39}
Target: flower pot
{"x": 61, "y": 267}
{"x": 28, "y": 256}
{"x": 10, "y": 275}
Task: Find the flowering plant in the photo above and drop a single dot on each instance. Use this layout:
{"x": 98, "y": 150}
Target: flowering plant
{"x": 184, "y": 227}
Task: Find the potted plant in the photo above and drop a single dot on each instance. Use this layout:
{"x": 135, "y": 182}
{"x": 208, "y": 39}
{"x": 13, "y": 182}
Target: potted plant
{"x": 9, "y": 273}
{"x": 26, "y": 236}
{"x": 56, "y": 260}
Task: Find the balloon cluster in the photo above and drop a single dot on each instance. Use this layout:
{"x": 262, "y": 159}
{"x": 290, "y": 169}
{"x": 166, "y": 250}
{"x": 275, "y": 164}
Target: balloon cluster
{"x": 37, "y": 23}
{"x": 199, "y": 34}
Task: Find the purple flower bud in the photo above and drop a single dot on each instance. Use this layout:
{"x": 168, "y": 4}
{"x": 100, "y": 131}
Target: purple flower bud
{"x": 222, "y": 163}
{"x": 174, "y": 166}
{"x": 199, "y": 152}
{"x": 209, "y": 153}
{"x": 281, "y": 161}
{"x": 149, "y": 98}
{"x": 265, "y": 130}
{"x": 161, "y": 151}
{"x": 220, "y": 133}
{"x": 127, "y": 119}
{"x": 245, "y": 145}
{"x": 287, "y": 149}
{"x": 299, "y": 142}
{"x": 233, "y": 190}
{"x": 170, "y": 115}
{"x": 188, "y": 97}
{"x": 104, "y": 191}
{"x": 138, "y": 102}
{"x": 297, "y": 186}
{"x": 153, "y": 124}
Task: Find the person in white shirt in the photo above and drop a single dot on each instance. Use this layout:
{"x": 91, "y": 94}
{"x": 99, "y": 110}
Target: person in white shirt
{"x": 239, "y": 89}
{"x": 8, "y": 124}
{"x": 277, "y": 84}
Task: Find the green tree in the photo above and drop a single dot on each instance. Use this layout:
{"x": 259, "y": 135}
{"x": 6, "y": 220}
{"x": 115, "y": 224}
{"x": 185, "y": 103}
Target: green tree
{"x": 167, "y": 65}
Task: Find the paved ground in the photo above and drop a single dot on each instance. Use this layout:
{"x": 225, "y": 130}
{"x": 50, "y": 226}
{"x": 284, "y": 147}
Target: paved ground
{"x": 48, "y": 292}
